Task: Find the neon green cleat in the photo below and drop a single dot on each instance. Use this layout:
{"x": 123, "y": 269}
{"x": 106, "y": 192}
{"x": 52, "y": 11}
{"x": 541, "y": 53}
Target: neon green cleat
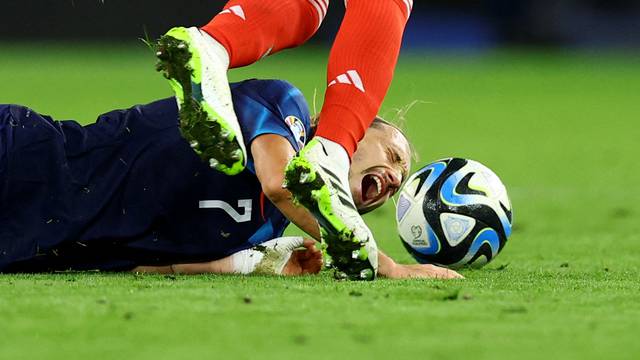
{"x": 197, "y": 73}
{"x": 312, "y": 177}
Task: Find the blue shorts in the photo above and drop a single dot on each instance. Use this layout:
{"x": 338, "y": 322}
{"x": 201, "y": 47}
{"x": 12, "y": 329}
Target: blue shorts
{"x": 65, "y": 184}
{"x": 26, "y": 182}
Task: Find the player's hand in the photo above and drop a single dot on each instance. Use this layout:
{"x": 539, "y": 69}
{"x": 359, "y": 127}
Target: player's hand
{"x": 305, "y": 261}
{"x": 423, "y": 271}
{"x": 390, "y": 269}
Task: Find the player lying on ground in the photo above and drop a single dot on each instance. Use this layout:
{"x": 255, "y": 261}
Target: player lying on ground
{"x": 360, "y": 69}
{"x": 129, "y": 191}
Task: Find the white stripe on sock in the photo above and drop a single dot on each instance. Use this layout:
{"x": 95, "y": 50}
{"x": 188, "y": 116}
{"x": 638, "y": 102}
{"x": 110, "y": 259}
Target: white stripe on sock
{"x": 409, "y": 4}
{"x": 343, "y": 79}
{"x": 318, "y": 10}
{"x": 324, "y": 5}
{"x": 355, "y": 78}
{"x": 237, "y": 9}
{"x": 267, "y": 53}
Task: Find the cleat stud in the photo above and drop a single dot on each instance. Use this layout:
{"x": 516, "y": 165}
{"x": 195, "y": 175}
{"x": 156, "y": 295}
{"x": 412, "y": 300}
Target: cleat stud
{"x": 339, "y": 275}
{"x": 225, "y": 133}
{"x": 213, "y": 163}
{"x": 182, "y": 46}
{"x": 355, "y": 254}
{"x": 237, "y": 155}
{"x": 194, "y": 144}
{"x": 304, "y": 178}
{"x": 366, "y": 274}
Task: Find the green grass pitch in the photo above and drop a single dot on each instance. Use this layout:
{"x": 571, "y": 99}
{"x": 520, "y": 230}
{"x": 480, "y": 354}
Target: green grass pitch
{"x": 560, "y": 129}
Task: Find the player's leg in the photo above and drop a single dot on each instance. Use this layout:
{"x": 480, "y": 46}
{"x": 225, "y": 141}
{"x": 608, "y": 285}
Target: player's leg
{"x": 361, "y": 67}
{"x": 252, "y": 29}
{"x": 196, "y": 63}
{"x": 197, "y": 72}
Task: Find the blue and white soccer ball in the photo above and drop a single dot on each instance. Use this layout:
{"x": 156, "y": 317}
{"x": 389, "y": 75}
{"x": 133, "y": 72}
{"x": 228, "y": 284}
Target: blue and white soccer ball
{"x": 454, "y": 213}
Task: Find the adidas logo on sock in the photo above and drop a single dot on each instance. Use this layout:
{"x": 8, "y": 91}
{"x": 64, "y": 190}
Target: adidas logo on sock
{"x": 351, "y": 77}
{"x": 235, "y": 10}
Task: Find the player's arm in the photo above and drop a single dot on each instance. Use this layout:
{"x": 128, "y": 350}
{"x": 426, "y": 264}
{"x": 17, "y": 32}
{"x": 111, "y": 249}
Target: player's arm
{"x": 287, "y": 256}
{"x": 222, "y": 266}
{"x": 271, "y": 153}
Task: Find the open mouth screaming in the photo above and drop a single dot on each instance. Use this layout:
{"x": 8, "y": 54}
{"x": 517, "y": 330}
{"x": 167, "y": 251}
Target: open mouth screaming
{"x": 373, "y": 188}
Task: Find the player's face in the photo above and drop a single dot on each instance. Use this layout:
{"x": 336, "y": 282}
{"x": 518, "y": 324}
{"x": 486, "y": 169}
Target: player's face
{"x": 379, "y": 167}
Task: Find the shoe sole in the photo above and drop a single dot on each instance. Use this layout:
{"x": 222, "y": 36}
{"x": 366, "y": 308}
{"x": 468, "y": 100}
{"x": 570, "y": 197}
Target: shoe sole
{"x": 347, "y": 254}
{"x": 206, "y": 131}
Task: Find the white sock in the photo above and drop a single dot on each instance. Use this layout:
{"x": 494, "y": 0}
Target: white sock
{"x": 337, "y": 153}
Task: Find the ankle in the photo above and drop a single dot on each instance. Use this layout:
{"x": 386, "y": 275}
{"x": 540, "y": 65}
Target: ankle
{"x": 336, "y": 151}
{"x": 216, "y": 48}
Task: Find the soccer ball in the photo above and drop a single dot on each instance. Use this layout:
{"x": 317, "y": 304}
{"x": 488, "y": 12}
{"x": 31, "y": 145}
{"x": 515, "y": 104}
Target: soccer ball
{"x": 454, "y": 213}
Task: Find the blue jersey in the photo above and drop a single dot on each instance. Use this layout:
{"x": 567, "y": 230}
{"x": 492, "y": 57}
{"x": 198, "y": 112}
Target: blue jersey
{"x": 128, "y": 190}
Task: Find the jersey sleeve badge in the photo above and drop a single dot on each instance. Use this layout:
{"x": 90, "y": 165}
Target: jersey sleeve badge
{"x": 298, "y": 130}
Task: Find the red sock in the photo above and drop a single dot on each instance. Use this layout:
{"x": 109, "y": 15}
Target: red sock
{"x": 361, "y": 66}
{"x": 252, "y": 29}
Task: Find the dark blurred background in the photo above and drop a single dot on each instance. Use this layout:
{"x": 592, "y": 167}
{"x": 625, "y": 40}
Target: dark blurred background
{"x": 462, "y": 24}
